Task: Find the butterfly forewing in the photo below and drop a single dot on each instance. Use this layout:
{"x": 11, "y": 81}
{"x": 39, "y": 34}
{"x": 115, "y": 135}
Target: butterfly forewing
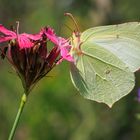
{"x": 122, "y": 40}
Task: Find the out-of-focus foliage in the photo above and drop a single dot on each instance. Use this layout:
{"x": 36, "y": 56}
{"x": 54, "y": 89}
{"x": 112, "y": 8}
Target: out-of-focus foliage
{"x": 55, "y": 110}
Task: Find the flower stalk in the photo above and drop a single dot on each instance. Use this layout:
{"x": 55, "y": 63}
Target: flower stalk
{"x": 22, "y": 104}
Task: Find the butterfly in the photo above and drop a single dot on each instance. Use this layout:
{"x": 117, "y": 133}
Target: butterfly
{"x": 106, "y": 58}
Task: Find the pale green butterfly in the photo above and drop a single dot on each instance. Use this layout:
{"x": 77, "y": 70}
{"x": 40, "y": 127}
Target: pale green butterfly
{"x": 106, "y": 58}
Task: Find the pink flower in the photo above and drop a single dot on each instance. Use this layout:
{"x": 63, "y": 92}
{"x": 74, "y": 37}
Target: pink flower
{"x": 24, "y": 40}
{"x": 62, "y": 44}
{"x": 65, "y": 47}
{"x": 29, "y": 53}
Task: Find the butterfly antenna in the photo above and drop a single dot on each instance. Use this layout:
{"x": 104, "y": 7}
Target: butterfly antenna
{"x": 75, "y": 23}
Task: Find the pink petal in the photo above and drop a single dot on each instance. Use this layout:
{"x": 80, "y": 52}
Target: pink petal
{"x": 32, "y": 37}
{"x": 7, "y": 38}
{"x": 65, "y": 54}
{"x": 6, "y": 31}
{"x": 24, "y": 42}
{"x": 51, "y": 36}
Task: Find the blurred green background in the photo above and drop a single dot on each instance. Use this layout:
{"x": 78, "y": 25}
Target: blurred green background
{"x": 55, "y": 110}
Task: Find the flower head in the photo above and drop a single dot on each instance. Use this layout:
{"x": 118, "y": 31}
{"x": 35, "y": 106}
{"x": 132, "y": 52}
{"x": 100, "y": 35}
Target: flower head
{"x": 29, "y": 54}
{"x": 62, "y": 44}
{"x": 24, "y": 40}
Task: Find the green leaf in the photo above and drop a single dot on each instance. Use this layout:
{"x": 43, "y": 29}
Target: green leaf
{"x": 105, "y": 61}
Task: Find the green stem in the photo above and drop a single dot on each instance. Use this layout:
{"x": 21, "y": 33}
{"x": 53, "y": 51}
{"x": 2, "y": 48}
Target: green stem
{"x": 22, "y": 103}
